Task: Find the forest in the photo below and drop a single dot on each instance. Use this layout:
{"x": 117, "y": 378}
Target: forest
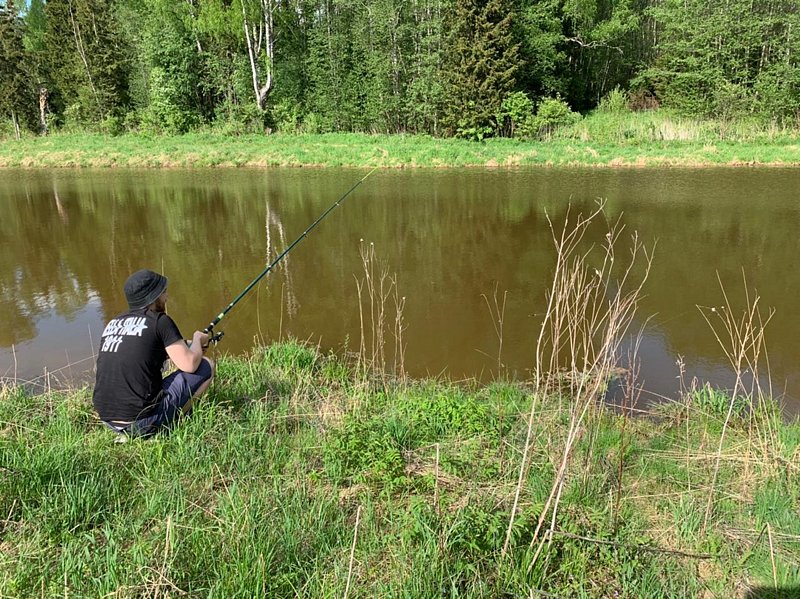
{"x": 445, "y": 68}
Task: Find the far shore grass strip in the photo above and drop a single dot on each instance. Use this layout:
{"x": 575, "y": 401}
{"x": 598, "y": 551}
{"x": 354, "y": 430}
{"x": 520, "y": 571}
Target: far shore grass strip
{"x": 201, "y": 150}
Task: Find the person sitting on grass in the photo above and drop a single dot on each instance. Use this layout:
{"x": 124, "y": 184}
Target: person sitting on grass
{"x": 130, "y": 395}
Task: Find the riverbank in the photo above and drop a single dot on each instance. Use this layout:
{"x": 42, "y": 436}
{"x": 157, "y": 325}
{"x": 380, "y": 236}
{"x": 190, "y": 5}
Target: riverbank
{"x": 578, "y": 147}
{"x": 299, "y": 475}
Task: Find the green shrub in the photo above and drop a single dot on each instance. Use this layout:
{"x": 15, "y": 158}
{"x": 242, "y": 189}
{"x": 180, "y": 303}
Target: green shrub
{"x": 732, "y": 101}
{"x": 778, "y": 93}
{"x": 614, "y": 102}
{"x": 689, "y": 93}
{"x": 478, "y": 531}
{"x": 168, "y": 110}
{"x": 473, "y": 132}
{"x": 113, "y": 125}
{"x": 6, "y": 129}
{"x": 435, "y": 414}
{"x": 232, "y": 118}
{"x": 286, "y": 116}
{"x": 551, "y": 114}
{"x": 314, "y": 123}
{"x": 515, "y": 118}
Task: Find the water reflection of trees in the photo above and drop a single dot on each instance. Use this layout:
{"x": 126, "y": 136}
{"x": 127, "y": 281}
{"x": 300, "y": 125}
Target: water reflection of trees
{"x": 65, "y": 239}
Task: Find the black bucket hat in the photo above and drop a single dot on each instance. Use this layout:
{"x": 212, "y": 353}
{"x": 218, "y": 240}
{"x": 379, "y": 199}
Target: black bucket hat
{"x": 143, "y": 288}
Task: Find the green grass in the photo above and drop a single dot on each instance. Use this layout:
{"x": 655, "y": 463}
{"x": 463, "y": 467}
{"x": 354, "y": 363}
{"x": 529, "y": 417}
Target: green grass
{"x": 602, "y": 139}
{"x": 258, "y": 492}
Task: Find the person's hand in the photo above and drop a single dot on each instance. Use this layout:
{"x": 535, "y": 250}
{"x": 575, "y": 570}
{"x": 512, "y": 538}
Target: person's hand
{"x": 201, "y": 338}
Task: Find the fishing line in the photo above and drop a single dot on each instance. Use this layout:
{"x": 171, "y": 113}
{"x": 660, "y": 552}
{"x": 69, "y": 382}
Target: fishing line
{"x": 266, "y": 271}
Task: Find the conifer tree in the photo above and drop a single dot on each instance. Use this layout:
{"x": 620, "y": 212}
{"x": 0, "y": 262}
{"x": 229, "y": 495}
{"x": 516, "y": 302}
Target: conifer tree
{"x": 85, "y": 58}
{"x": 14, "y": 86}
{"x": 482, "y": 63}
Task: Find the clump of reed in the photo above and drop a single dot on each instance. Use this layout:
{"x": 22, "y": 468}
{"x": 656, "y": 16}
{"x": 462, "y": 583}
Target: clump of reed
{"x": 380, "y": 310}
{"x": 589, "y": 308}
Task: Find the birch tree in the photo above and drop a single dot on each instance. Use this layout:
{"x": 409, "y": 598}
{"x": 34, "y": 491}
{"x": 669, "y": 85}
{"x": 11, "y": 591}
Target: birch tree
{"x": 259, "y": 35}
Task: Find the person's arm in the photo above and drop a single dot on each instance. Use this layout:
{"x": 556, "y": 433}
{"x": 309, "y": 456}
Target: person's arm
{"x": 187, "y": 357}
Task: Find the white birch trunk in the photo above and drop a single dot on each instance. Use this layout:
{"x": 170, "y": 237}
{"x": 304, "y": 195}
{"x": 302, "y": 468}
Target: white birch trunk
{"x": 15, "y": 120}
{"x": 260, "y": 38}
{"x": 43, "y": 93}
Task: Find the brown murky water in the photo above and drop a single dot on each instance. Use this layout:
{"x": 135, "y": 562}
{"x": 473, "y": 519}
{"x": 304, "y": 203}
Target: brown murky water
{"x": 68, "y": 240}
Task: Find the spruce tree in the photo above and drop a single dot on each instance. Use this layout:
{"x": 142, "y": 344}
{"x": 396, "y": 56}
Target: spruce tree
{"x": 482, "y": 63}
{"x": 85, "y": 59}
{"x": 14, "y": 87}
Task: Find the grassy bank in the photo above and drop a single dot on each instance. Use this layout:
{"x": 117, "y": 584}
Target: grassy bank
{"x": 601, "y": 140}
{"x": 299, "y": 476}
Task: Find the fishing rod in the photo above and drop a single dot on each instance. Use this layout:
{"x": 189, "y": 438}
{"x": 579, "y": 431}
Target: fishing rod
{"x": 215, "y": 338}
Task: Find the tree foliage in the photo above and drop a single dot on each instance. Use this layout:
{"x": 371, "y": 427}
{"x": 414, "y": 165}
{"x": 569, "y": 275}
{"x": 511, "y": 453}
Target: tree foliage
{"x": 85, "y": 59}
{"x": 726, "y": 58}
{"x": 15, "y": 89}
{"x": 443, "y": 67}
{"x": 481, "y": 66}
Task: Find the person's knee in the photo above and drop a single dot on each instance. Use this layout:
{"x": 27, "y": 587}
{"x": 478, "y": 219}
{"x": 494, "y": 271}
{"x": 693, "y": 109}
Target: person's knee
{"x": 212, "y": 365}
{"x": 205, "y": 372}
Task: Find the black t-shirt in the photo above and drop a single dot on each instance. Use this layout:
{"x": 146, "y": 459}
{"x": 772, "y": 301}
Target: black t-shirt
{"x": 132, "y": 353}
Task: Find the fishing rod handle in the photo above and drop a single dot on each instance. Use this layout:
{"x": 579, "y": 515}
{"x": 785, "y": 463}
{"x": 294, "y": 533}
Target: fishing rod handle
{"x": 213, "y": 323}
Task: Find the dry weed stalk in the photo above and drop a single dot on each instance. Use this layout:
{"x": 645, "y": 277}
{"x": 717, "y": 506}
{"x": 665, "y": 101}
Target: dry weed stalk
{"x": 588, "y": 312}
{"x": 772, "y": 557}
{"x": 375, "y": 289}
{"x": 399, "y": 328}
{"x": 497, "y": 313}
{"x": 742, "y": 340}
{"x": 352, "y": 553}
{"x": 630, "y": 398}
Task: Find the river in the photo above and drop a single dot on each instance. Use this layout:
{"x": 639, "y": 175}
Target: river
{"x": 452, "y": 241}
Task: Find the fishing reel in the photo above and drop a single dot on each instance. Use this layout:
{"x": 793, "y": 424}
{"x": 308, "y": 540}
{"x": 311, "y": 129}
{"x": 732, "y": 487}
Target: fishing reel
{"x": 213, "y": 338}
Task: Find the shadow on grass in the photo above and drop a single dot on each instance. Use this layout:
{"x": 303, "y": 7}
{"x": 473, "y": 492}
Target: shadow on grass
{"x": 773, "y": 593}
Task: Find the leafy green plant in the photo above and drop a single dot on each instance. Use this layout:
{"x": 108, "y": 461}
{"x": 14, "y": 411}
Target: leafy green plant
{"x": 515, "y": 118}
{"x": 614, "y": 102}
{"x": 287, "y": 116}
{"x": 477, "y": 531}
{"x": 113, "y": 125}
{"x": 365, "y": 451}
{"x": 434, "y": 414}
{"x": 238, "y": 119}
{"x": 473, "y": 132}
{"x": 552, "y": 113}
{"x": 717, "y": 402}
